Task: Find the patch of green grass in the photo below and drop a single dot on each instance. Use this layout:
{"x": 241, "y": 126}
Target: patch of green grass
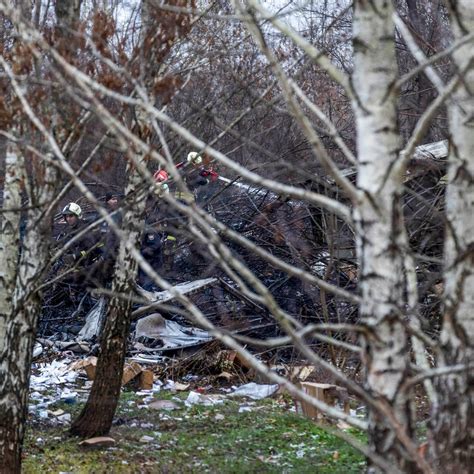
{"x": 268, "y": 439}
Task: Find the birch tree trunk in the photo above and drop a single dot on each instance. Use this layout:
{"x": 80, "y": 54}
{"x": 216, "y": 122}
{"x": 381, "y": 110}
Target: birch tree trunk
{"x": 11, "y": 409}
{"x": 23, "y": 265}
{"x": 26, "y": 307}
{"x": 452, "y": 441}
{"x": 380, "y": 227}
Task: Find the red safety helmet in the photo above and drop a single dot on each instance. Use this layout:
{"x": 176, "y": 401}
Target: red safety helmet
{"x": 160, "y": 176}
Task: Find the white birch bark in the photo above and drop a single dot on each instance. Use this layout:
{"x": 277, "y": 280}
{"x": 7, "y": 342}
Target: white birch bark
{"x": 26, "y": 300}
{"x": 19, "y": 322}
{"x": 453, "y": 426}
{"x": 10, "y": 225}
{"x": 20, "y": 302}
{"x": 9, "y": 255}
{"x": 379, "y": 223}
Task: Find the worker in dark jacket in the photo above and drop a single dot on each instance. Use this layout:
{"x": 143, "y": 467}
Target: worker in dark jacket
{"x": 83, "y": 255}
{"x": 194, "y": 175}
{"x": 152, "y": 252}
{"x": 112, "y": 204}
{"x": 109, "y": 238}
{"x": 174, "y": 223}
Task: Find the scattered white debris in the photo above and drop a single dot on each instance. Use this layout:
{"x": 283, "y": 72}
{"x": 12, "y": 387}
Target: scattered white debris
{"x": 68, "y": 396}
{"x": 93, "y": 321}
{"x": 254, "y": 391}
{"x": 37, "y": 350}
{"x": 169, "y": 385}
{"x": 98, "y": 441}
{"x": 195, "y": 398}
{"x": 50, "y": 383}
{"x": 164, "y": 405}
{"x": 66, "y": 418}
{"x": 55, "y": 373}
{"x": 170, "y": 334}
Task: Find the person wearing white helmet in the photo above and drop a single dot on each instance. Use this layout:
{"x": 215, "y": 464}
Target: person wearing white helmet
{"x": 194, "y": 157}
{"x": 85, "y": 251}
{"x": 194, "y": 176}
{"x": 72, "y": 213}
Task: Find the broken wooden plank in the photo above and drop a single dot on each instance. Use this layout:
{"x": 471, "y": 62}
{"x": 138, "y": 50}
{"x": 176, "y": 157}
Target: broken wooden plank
{"x": 327, "y": 393}
{"x": 146, "y": 380}
{"x": 130, "y": 371}
{"x": 97, "y": 442}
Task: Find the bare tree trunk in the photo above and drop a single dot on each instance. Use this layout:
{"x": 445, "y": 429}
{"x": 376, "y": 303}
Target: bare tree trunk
{"x": 379, "y": 223}
{"x": 97, "y": 416}
{"x": 23, "y": 265}
{"x": 11, "y": 406}
{"x": 452, "y": 441}
{"x": 68, "y": 14}
{"x": 26, "y": 300}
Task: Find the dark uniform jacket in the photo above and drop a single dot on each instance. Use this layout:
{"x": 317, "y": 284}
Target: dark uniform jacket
{"x": 152, "y": 251}
{"x": 84, "y": 254}
{"x": 110, "y": 245}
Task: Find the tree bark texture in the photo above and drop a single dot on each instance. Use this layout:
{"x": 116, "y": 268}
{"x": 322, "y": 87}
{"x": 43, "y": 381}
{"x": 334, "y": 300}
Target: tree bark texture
{"x": 97, "y": 416}
{"x": 16, "y": 345}
{"x": 24, "y": 264}
{"x": 20, "y": 303}
{"x": 11, "y": 375}
{"x": 380, "y": 227}
{"x": 452, "y": 441}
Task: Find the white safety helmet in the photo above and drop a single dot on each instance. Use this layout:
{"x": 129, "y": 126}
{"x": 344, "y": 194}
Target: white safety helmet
{"x": 195, "y": 158}
{"x": 73, "y": 209}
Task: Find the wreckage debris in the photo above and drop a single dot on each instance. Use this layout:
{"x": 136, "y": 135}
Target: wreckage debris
{"x": 60, "y": 381}
{"x": 164, "y": 405}
{"x": 131, "y": 371}
{"x": 98, "y": 442}
{"x": 153, "y": 337}
{"x": 169, "y": 334}
{"x": 196, "y": 398}
{"x": 327, "y": 393}
{"x": 153, "y": 326}
{"x": 254, "y": 391}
